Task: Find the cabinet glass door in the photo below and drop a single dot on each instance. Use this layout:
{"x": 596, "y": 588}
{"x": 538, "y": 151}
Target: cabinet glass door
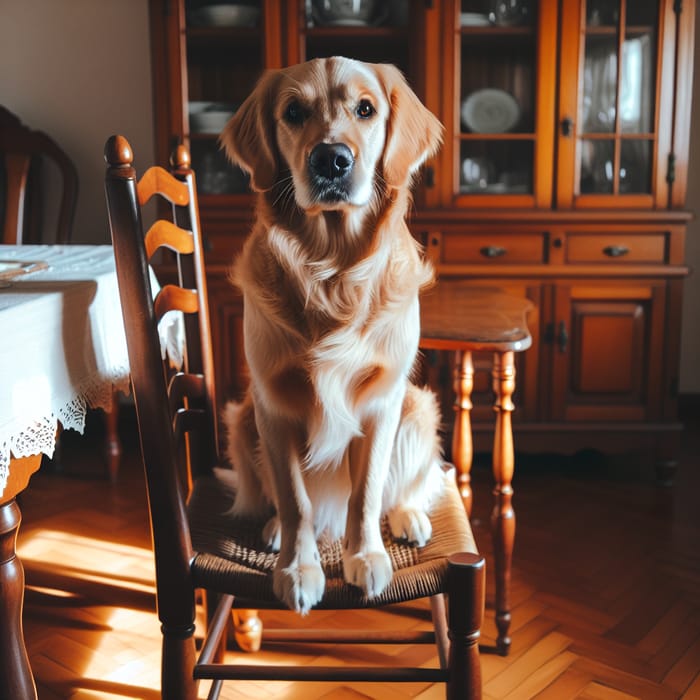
{"x": 609, "y": 128}
{"x": 376, "y": 32}
{"x": 226, "y": 53}
{"x": 499, "y": 111}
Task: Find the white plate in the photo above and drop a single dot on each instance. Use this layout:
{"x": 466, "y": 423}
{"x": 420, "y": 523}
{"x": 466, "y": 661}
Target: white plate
{"x": 474, "y": 19}
{"x": 225, "y": 15}
{"x": 490, "y": 111}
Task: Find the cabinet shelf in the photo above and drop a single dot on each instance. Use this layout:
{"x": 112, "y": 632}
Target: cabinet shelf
{"x": 354, "y": 33}
{"x": 201, "y": 38}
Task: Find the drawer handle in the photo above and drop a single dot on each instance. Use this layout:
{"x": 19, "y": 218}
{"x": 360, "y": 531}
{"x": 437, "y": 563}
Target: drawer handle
{"x": 616, "y": 251}
{"x": 492, "y": 251}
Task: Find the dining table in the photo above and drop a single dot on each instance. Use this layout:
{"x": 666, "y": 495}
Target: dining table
{"x": 63, "y": 351}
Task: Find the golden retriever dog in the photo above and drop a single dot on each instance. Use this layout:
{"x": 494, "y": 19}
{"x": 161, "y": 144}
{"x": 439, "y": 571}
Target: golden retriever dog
{"x": 332, "y": 434}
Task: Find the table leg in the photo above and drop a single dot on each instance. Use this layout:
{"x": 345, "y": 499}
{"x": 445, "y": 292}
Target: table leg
{"x": 17, "y": 681}
{"x": 503, "y": 515}
{"x": 462, "y": 443}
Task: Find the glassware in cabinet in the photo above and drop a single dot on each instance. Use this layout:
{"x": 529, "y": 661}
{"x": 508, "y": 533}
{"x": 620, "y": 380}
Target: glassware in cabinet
{"x": 225, "y": 55}
{"x": 367, "y": 30}
{"x": 614, "y": 128}
{"x": 496, "y": 111}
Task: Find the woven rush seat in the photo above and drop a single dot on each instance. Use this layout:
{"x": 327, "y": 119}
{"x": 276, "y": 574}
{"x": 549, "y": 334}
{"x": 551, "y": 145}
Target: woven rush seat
{"x": 232, "y": 558}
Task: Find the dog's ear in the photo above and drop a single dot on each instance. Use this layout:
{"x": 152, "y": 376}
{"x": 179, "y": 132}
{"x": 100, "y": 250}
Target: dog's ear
{"x": 413, "y": 132}
{"x": 249, "y": 136}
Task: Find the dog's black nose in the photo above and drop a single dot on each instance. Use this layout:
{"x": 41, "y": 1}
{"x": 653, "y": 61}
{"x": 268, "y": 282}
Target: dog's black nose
{"x": 331, "y": 160}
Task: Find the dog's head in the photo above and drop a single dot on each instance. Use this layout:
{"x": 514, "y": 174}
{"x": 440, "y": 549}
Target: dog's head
{"x": 337, "y": 127}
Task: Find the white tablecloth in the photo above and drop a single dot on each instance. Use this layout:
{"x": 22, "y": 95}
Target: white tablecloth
{"x": 62, "y": 345}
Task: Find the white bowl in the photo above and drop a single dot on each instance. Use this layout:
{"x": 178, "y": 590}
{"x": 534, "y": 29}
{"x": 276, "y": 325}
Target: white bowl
{"x": 343, "y": 12}
{"x": 225, "y": 15}
{"x": 211, "y": 119}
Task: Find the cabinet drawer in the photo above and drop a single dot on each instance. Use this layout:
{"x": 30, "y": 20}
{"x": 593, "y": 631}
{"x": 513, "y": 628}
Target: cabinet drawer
{"x": 616, "y": 248}
{"x": 496, "y": 248}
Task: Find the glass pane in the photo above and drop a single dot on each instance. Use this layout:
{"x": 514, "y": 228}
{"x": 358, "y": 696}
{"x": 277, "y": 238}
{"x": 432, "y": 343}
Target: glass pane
{"x": 637, "y": 85}
{"x": 215, "y": 175}
{"x": 374, "y": 49}
{"x": 642, "y": 12}
{"x": 597, "y": 171}
{"x": 502, "y": 13}
{"x": 635, "y": 167}
{"x": 602, "y": 12}
{"x": 498, "y": 85}
{"x": 496, "y": 167}
{"x": 599, "y": 84}
{"x": 357, "y": 13}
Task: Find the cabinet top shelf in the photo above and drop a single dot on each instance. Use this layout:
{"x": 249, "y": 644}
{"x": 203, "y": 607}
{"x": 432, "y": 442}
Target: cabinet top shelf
{"x": 355, "y": 32}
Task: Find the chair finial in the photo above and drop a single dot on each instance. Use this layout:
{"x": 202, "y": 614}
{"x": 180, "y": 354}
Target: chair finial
{"x": 118, "y": 152}
{"x": 180, "y": 157}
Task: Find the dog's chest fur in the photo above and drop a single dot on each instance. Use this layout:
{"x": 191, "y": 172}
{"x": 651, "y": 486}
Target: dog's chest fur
{"x": 349, "y": 332}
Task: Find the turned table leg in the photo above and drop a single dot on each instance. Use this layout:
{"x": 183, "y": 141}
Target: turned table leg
{"x": 503, "y": 515}
{"x": 17, "y": 682}
{"x": 462, "y": 443}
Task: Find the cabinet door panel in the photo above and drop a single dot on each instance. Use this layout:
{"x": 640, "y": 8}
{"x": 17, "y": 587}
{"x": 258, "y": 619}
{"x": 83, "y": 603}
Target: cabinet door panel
{"x": 609, "y": 349}
{"x": 498, "y": 107}
{"x": 605, "y": 344}
{"x": 615, "y": 121}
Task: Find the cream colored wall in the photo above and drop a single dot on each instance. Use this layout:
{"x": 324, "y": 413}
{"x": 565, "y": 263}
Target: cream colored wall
{"x": 80, "y": 70}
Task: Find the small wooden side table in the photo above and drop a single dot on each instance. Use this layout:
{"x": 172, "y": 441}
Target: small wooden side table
{"x": 455, "y": 316}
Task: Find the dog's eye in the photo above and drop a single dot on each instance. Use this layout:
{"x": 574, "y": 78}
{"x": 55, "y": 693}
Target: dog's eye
{"x": 294, "y": 114}
{"x": 365, "y": 109}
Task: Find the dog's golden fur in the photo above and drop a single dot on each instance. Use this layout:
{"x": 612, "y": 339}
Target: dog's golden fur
{"x": 332, "y": 434}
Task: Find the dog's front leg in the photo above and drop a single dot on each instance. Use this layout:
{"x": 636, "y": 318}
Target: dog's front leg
{"x": 365, "y": 561}
{"x": 298, "y": 579}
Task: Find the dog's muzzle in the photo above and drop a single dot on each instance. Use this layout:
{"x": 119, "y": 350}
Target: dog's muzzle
{"x": 330, "y": 166}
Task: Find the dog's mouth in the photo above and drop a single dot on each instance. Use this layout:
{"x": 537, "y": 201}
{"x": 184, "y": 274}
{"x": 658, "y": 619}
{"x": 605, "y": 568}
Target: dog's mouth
{"x": 330, "y": 193}
{"x": 330, "y": 168}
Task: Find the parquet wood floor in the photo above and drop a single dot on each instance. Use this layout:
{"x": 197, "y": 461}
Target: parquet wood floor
{"x": 606, "y": 587}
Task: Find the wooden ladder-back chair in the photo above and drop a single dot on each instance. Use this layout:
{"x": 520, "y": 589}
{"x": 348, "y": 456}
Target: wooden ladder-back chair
{"x": 198, "y": 543}
{"x": 22, "y": 151}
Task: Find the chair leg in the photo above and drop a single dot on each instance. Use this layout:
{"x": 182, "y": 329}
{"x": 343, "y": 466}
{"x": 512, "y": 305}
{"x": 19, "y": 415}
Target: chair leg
{"x": 442, "y": 640}
{"x": 466, "y": 592}
{"x": 247, "y": 629}
{"x": 178, "y": 660}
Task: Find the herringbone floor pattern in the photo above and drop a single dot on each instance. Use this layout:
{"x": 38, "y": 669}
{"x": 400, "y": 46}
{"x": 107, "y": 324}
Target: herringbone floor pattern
{"x": 606, "y": 588}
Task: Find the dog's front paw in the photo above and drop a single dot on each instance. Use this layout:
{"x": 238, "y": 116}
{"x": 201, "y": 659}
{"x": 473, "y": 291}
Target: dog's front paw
{"x": 410, "y": 524}
{"x": 370, "y": 571}
{"x": 299, "y": 587}
{"x": 272, "y": 534}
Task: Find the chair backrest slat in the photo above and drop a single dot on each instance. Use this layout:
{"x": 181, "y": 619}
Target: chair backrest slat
{"x": 158, "y": 181}
{"x": 166, "y": 234}
{"x": 174, "y": 298}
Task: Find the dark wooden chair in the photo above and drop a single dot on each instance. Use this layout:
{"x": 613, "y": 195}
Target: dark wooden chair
{"x": 23, "y": 152}
{"x": 198, "y": 543}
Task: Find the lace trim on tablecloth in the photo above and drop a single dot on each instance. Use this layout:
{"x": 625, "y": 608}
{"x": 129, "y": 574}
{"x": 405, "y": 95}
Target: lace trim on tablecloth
{"x": 40, "y": 437}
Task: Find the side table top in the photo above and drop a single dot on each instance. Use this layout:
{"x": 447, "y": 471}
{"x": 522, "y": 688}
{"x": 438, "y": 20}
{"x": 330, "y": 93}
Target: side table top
{"x": 456, "y": 316}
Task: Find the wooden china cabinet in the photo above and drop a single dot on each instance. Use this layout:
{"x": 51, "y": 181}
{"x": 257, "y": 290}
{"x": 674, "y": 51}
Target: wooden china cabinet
{"x": 562, "y": 178}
